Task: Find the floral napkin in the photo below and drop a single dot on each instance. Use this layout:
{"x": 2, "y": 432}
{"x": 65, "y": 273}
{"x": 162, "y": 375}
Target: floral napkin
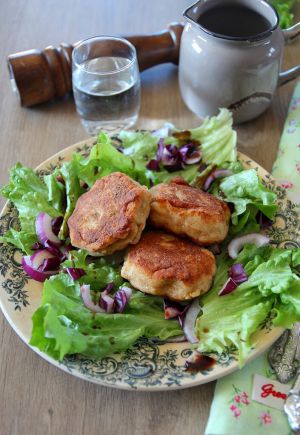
{"x": 233, "y": 411}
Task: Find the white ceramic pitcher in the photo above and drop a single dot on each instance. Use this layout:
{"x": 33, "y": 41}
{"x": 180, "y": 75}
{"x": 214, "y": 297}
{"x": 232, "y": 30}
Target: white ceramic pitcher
{"x": 240, "y": 73}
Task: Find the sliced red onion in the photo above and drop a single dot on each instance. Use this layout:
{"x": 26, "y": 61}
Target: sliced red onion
{"x": 193, "y": 158}
{"x": 153, "y": 165}
{"x": 44, "y": 230}
{"x": 263, "y": 221}
{"x": 52, "y": 248}
{"x": 228, "y": 287}
{"x": 109, "y": 288}
{"x": 50, "y": 264}
{"x": 64, "y": 250}
{"x": 38, "y": 257}
{"x": 121, "y": 298}
{"x": 216, "y": 174}
{"x": 172, "y": 309}
{"x": 171, "y": 157}
{"x": 32, "y": 265}
{"x": 237, "y": 273}
{"x": 75, "y": 272}
{"x": 37, "y": 246}
{"x": 160, "y": 149}
{"x": 107, "y": 303}
{"x": 56, "y": 223}
{"x": 189, "y": 154}
{"x": 238, "y": 243}
{"x": 127, "y": 291}
{"x": 190, "y": 320}
{"x": 87, "y": 299}
{"x": 32, "y": 272}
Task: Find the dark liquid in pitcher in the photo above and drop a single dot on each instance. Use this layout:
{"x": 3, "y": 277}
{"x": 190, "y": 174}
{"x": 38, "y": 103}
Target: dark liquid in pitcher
{"x": 234, "y": 21}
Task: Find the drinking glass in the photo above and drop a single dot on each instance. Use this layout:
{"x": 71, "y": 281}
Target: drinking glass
{"x": 106, "y": 83}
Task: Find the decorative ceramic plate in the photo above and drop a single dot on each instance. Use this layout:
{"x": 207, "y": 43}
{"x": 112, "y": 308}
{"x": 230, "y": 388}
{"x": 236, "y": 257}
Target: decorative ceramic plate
{"x": 148, "y": 365}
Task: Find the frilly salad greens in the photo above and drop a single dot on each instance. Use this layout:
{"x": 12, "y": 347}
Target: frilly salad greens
{"x": 64, "y": 325}
{"x": 285, "y": 11}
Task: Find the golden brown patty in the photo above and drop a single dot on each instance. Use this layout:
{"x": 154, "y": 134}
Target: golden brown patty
{"x": 190, "y": 212}
{"x": 110, "y": 216}
{"x": 164, "y": 265}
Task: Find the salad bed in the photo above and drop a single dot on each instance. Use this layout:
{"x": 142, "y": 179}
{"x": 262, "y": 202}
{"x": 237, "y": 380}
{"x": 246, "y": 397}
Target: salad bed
{"x": 64, "y": 325}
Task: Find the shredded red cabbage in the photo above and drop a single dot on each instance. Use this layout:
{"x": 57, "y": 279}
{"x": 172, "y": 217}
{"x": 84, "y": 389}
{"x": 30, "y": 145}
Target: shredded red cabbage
{"x": 174, "y": 158}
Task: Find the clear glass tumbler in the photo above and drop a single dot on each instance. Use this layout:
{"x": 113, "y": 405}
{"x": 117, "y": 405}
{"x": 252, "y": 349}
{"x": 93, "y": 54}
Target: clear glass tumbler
{"x": 106, "y": 83}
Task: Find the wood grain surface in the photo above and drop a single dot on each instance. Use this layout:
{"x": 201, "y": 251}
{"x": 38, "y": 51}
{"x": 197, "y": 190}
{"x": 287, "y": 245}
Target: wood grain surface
{"x": 37, "y": 398}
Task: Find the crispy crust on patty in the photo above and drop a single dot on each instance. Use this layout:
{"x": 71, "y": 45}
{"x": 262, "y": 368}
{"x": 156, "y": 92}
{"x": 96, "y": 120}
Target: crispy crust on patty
{"x": 187, "y": 211}
{"x": 110, "y": 216}
{"x": 165, "y": 265}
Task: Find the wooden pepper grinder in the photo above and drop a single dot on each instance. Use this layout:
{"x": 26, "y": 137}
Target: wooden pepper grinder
{"x": 38, "y": 76}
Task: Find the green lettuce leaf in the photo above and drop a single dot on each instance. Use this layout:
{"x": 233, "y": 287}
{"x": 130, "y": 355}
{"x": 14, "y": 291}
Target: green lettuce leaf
{"x": 217, "y": 138}
{"x": 21, "y": 239}
{"x": 285, "y": 11}
{"x": 63, "y": 325}
{"x": 272, "y": 289}
{"x": 98, "y": 271}
{"x": 73, "y": 188}
{"x": 31, "y": 196}
{"x": 249, "y": 195}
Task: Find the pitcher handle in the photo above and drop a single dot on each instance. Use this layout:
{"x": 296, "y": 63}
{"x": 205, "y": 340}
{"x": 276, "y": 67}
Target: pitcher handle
{"x": 290, "y": 35}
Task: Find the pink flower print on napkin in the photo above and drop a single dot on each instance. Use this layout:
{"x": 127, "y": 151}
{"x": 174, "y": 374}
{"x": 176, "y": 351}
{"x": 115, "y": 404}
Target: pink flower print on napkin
{"x": 236, "y": 411}
{"x": 265, "y": 418}
{"x": 298, "y": 167}
{"x": 237, "y": 399}
{"x": 285, "y": 184}
{"x": 245, "y": 398}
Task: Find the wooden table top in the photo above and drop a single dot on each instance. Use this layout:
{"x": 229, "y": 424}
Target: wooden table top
{"x": 37, "y": 398}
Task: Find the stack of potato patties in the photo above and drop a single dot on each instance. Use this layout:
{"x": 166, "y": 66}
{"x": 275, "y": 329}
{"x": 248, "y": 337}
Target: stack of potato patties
{"x": 171, "y": 260}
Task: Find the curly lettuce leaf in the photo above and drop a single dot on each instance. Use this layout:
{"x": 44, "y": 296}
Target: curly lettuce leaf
{"x": 73, "y": 188}
{"x": 249, "y": 195}
{"x": 217, "y": 138}
{"x": 64, "y": 326}
{"x": 21, "y": 239}
{"x": 272, "y": 288}
{"x": 285, "y": 11}
{"x": 30, "y": 196}
{"x": 104, "y": 159}
{"x": 98, "y": 271}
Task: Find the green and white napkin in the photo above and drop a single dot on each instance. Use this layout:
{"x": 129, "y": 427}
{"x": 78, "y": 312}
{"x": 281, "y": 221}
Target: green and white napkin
{"x": 233, "y": 412}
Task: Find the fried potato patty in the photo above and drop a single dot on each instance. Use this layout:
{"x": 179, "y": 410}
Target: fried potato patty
{"x": 110, "y": 216}
{"x": 164, "y": 265}
{"x": 187, "y": 211}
